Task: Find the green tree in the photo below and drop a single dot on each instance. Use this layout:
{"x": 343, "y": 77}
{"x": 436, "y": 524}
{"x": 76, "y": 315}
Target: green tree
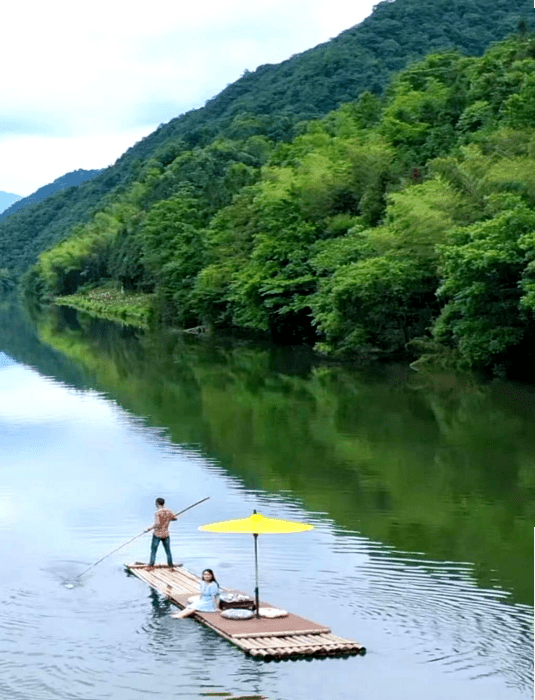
{"x": 270, "y": 292}
{"x": 375, "y": 306}
{"x": 7, "y": 283}
{"x": 483, "y": 267}
{"x": 425, "y": 103}
{"x": 173, "y": 253}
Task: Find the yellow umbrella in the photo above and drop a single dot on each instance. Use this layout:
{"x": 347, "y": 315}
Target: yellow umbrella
{"x": 256, "y": 524}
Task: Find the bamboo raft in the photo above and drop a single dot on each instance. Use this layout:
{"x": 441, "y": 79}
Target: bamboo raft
{"x": 290, "y": 637}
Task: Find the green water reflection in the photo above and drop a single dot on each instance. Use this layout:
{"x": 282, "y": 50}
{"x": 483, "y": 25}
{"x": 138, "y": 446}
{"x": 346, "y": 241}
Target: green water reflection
{"x": 440, "y": 465}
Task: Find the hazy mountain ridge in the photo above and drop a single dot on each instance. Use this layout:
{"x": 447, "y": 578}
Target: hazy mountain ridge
{"x": 72, "y": 179}
{"x": 7, "y": 199}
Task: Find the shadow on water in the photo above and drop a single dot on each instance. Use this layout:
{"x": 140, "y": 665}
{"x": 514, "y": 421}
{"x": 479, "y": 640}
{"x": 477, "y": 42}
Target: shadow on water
{"x": 161, "y": 607}
{"x": 437, "y": 464}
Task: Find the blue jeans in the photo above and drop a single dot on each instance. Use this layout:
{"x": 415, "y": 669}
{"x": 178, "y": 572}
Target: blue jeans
{"x": 154, "y": 546}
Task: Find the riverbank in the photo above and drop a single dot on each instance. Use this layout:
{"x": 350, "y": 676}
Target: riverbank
{"x": 128, "y": 308}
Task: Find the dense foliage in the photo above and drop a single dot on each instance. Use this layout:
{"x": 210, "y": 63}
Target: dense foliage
{"x": 264, "y": 107}
{"x": 388, "y": 226}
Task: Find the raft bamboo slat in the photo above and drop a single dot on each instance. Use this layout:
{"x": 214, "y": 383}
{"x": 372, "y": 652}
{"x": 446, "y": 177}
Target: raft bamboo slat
{"x": 291, "y": 637}
{"x": 249, "y": 635}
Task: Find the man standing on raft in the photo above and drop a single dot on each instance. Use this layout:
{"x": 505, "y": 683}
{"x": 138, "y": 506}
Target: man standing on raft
{"x": 162, "y": 518}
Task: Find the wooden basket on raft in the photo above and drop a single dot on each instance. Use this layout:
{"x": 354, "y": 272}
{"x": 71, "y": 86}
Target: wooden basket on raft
{"x": 235, "y": 600}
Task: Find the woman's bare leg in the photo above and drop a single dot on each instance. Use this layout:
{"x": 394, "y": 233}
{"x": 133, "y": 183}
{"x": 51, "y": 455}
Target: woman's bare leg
{"x": 183, "y": 613}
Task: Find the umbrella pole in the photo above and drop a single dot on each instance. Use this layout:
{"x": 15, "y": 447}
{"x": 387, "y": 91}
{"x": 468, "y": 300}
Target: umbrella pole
{"x": 257, "y": 601}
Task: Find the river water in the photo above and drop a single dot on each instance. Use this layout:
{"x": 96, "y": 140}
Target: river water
{"x": 421, "y": 490}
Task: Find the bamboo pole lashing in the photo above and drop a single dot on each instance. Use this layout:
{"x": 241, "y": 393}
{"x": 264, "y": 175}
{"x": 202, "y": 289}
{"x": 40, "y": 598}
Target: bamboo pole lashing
{"x": 251, "y": 644}
{"x": 285, "y": 633}
{"x": 282, "y": 643}
{"x": 262, "y": 643}
{"x": 312, "y": 642}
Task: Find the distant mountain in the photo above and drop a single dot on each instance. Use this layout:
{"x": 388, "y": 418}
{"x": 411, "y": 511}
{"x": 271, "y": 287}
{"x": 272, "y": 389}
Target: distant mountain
{"x": 6, "y": 199}
{"x": 62, "y": 183}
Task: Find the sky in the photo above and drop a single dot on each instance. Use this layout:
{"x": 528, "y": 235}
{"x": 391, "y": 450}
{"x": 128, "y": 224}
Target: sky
{"x": 82, "y": 82}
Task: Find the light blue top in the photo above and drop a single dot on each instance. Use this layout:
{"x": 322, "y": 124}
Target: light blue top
{"x": 206, "y": 601}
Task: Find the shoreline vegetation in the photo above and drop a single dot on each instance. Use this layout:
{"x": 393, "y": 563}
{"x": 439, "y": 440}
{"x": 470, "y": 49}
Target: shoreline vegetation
{"x": 125, "y": 307}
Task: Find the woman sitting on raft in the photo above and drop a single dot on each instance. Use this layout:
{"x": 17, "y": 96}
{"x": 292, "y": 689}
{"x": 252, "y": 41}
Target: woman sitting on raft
{"x": 207, "y": 601}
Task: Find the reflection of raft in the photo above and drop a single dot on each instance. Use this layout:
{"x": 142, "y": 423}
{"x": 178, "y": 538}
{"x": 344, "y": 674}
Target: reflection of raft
{"x": 289, "y": 637}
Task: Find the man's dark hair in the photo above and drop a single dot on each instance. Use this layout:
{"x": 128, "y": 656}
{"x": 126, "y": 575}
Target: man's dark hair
{"x": 160, "y": 502}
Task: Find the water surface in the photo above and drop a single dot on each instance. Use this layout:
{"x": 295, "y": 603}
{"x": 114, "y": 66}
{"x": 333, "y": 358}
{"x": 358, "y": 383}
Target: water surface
{"x": 421, "y": 491}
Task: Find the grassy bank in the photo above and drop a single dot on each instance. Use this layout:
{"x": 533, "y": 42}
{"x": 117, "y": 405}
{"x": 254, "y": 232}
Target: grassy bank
{"x": 129, "y": 308}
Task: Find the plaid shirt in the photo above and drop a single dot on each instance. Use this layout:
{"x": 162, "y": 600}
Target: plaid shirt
{"x": 162, "y": 518}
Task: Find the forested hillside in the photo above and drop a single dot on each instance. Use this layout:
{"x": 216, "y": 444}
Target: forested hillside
{"x": 264, "y": 107}
{"x": 60, "y": 184}
{"x": 391, "y": 226}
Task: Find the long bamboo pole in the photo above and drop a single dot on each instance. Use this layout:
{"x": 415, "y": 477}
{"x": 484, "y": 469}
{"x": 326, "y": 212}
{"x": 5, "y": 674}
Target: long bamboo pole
{"x": 135, "y": 538}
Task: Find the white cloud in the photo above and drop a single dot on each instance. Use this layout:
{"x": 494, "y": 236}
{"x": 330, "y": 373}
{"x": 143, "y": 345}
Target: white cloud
{"x": 74, "y": 72}
{"x": 51, "y": 402}
{"x": 29, "y": 162}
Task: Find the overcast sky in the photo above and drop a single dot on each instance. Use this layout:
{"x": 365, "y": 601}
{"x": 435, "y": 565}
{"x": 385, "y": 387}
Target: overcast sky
{"x": 81, "y": 82}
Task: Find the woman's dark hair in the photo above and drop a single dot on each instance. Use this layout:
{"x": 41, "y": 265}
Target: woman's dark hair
{"x": 211, "y": 574}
